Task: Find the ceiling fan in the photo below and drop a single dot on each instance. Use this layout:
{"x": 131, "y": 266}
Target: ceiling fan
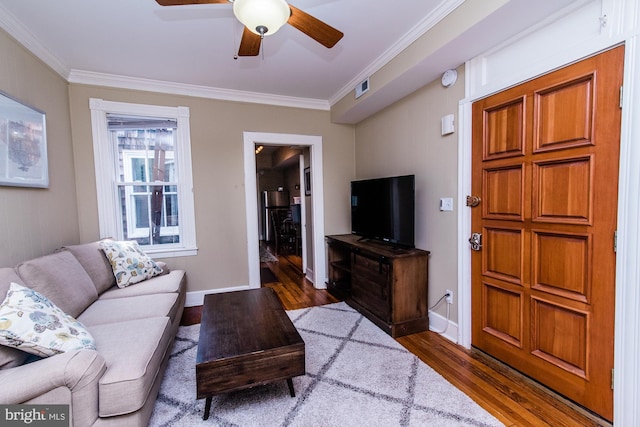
{"x": 264, "y": 17}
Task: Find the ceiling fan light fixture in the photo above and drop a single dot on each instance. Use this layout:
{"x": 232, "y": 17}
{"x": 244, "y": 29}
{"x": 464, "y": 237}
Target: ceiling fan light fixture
{"x": 263, "y": 17}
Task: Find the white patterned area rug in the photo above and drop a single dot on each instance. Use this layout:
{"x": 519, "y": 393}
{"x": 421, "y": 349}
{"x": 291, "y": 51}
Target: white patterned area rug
{"x": 356, "y": 375}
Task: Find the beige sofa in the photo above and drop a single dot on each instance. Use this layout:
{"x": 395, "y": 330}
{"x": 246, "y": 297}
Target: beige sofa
{"x": 133, "y": 328}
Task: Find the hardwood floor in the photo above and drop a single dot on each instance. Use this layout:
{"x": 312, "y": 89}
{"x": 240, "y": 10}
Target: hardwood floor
{"x": 511, "y": 397}
{"x": 293, "y": 289}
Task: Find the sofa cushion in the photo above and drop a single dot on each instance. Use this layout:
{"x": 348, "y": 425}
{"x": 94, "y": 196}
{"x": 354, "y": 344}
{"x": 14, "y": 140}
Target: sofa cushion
{"x": 166, "y": 283}
{"x": 93, "y": 260}
{"x": 132, "y": 308}
{"x": 133, "y": 351}
{"x": 30, "y": 322}
{"x": 61, "y": 278}
{"x": 9, "y": 357}
{"x": 129, "y": 263}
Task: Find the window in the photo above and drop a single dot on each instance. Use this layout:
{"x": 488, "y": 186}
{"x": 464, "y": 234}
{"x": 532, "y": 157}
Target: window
{"x": 143, "y": 175}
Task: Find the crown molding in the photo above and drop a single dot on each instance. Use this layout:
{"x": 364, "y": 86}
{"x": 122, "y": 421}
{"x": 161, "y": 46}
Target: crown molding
{"x": 24, "y": 36}
{"x": 17, "y": 30}
{"x": 428, "y": 22}
{"x": 136, "y": 83}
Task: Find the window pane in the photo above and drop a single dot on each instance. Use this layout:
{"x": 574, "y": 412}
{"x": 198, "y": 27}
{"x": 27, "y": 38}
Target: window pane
{"x": 170, "y": 175}
{"x": 146, "y": 153}
{"x": 141, "y": 207}
{"x": 171, "y": 210}
{"x": 138, "y": 170}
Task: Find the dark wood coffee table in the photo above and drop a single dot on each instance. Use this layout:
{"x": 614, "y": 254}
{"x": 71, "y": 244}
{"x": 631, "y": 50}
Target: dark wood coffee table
{"x": 246, "y": 339}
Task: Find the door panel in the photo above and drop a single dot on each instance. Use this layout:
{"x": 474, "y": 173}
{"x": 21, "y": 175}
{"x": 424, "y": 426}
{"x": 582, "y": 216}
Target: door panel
{"x": 504, "y": 130}
{"x": 564, "y": 114}
{"x": 503, "y": 258}
{"x": 562, "y": 190}
{"x": 503, "y": 314}
{"x": 502, "y": 189}
{"x": 545, "y": 166}
{"x": 560, "y": 336}
{"x": 562, "y": 264}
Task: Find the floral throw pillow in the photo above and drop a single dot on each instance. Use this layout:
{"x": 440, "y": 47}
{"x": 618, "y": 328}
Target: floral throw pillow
{"x": 129, "y": 263}
{"x": 29, "y": 321}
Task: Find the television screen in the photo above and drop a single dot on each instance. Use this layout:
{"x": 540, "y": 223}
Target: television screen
{"x": 383, "y": 209}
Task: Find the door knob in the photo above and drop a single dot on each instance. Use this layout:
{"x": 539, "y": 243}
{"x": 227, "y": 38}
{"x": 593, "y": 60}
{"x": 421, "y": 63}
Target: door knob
{"x": 473, "y": 201}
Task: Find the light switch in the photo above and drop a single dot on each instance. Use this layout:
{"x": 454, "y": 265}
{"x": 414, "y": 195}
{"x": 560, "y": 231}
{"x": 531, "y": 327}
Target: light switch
{"x": 446, "y": 204}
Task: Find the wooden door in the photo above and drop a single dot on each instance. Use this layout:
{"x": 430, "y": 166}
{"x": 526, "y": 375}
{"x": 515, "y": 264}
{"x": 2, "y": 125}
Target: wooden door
{"x": 545, "y": 166}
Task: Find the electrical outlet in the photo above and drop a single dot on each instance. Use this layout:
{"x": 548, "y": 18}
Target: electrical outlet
{"x": 449, "y": 298}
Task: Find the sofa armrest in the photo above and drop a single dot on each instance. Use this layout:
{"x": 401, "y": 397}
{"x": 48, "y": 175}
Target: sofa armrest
{"x": 79, "y": 371}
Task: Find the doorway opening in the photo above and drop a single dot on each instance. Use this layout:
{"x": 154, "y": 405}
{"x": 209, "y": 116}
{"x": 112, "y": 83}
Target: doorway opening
{"x": 281, "y": 204}
{"x": 310, "y": 187}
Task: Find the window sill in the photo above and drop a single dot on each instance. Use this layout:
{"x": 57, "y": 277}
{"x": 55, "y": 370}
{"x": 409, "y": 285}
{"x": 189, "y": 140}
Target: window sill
{"x": 171, "y": 253}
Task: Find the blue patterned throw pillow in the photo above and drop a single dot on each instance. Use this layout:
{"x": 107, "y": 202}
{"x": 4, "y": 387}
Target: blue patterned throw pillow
{"x": 129, "y": 263}
{"x": 29, "y": 321}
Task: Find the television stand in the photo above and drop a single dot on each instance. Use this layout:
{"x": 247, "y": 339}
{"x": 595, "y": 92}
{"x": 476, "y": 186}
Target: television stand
{"x": 387, "y": 285}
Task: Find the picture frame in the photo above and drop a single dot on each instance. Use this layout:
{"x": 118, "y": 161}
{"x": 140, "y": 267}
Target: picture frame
{"x": 307, "y": 181}
{"x": 23, "y": 144}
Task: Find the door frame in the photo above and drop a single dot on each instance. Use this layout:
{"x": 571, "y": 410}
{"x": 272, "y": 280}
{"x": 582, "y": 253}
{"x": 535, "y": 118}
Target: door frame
{"x": 317, "y": 192}
{"x": 303, "y": 214}
{"x": 627, "y": 299}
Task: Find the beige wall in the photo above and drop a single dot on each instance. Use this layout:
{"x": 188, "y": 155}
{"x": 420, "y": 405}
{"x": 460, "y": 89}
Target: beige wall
{"x": 405, "y": 138}
{"x": 218, "y": 175}
{"x": 35, "y": 222}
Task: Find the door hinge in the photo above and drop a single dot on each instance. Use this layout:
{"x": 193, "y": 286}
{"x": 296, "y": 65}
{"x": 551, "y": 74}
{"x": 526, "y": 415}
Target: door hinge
{"x": 615, "y": 241}
{"x": 621, "y": 92}
{"x": 611, "y": 379}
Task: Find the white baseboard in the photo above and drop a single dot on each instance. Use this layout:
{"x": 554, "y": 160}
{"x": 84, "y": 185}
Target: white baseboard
{"x": 438, "y": 323}
{"x": 197, "y": 298}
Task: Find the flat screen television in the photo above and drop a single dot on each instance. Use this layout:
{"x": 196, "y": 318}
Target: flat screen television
{"x": 384, "y": 209}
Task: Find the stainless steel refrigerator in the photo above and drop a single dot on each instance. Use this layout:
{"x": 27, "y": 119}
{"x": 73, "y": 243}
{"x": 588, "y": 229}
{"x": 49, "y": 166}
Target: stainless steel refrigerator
{"x": 272, "y": 200}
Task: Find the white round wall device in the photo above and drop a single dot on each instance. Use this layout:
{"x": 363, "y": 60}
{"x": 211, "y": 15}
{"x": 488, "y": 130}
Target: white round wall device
{"x": 449, "y": 78}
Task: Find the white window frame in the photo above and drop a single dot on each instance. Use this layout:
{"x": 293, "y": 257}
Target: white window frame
{"x": 105, "y": 153}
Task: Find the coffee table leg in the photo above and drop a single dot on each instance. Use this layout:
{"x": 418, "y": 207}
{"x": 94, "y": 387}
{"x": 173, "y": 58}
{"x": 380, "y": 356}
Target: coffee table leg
{"x": 207, "y": 408}
{"x": 291, "y": 390}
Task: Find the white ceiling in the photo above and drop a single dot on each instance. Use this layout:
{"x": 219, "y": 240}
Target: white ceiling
{"x": 195, "y": 45}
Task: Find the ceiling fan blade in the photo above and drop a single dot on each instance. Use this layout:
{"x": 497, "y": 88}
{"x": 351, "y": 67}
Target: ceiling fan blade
{"x": 314, "y": 28}
{"x": 186, "y": 2}
{"x": 250, "y": 43}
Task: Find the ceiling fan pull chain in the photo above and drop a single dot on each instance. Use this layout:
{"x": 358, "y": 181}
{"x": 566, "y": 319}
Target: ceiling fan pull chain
{"x": 262, "y": 30}
{"x": 235, "y": 41}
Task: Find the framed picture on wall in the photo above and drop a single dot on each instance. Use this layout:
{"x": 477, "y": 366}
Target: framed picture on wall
{"x": 23, "y": 145}
{"x": 307, "y": 181}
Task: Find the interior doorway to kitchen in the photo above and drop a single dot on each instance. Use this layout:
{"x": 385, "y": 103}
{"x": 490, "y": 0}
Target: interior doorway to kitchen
{"x": 281, "y": 196}
{"x": 310, "y": 187}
